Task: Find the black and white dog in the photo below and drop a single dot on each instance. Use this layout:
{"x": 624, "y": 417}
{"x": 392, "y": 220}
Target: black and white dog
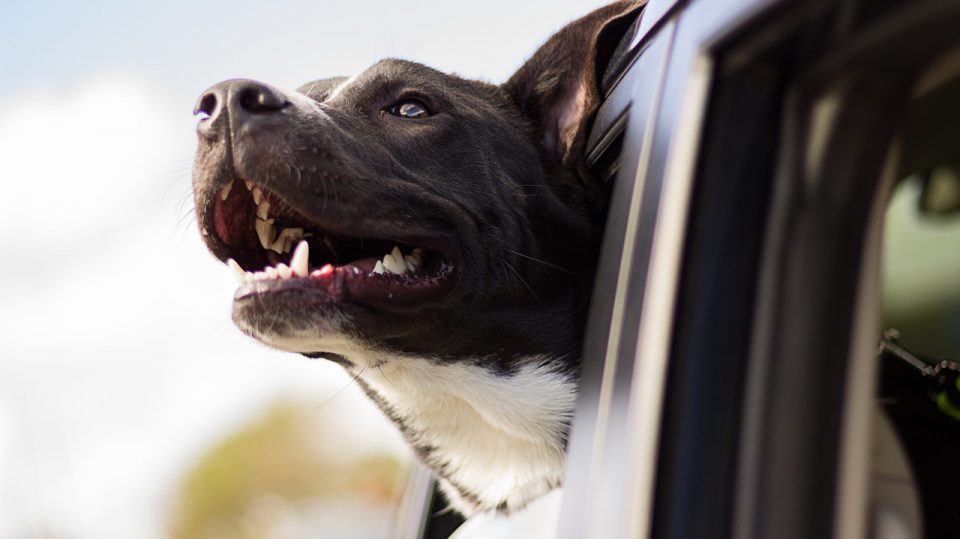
{"x": 435, "y": 236}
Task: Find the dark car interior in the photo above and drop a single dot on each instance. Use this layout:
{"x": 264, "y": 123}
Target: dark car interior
{"x": 919, "y": 373}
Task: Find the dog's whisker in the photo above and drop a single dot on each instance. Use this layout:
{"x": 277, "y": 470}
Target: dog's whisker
{"x": 530, "y": 288}
{"x": 539, "y": 261}
{"x": 183, "y": 224}
{"x": 383, "y": 374}
{"x": 341, "y": 390}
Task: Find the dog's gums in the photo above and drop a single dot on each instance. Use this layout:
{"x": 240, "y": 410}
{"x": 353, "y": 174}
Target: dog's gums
{"x": 304, "y": 256}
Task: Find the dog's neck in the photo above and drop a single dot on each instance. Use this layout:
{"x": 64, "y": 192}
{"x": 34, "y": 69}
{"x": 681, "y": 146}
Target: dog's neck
{"x": 495, "y": 439}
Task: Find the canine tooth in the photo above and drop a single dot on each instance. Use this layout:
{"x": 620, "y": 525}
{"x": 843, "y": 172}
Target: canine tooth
{"x": 225, "y": 192}
{"x": 393, "y": 265}
{"x": 249, "y": 184}
{"x": 263, "y": 209}
{"x": 300, "y": 262}
{"x": 284, "y": 271}
{"x": 237, "y": 270}
{"x": 257, "y": 196}
{"x": 266, "y": 231}
{"x": 378, "y": 269}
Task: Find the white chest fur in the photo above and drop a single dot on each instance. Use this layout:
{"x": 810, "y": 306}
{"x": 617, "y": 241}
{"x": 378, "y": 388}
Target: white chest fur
{"x": 496, "y": 438}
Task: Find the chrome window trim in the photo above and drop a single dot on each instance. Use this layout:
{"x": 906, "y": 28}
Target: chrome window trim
{"x": 656, "y": 323}
{"x": 590, "y": 433}
{"x": 617, "y": 427}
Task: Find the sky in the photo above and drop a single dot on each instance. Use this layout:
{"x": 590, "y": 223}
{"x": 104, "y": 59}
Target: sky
{"x": 118, "y": 360}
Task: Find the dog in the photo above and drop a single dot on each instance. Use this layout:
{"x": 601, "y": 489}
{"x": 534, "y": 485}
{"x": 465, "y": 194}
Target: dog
{"x": 435, "y": 236}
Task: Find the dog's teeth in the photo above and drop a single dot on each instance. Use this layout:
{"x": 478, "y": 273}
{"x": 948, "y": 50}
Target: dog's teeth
{"x": 237, "y": 270}
{"x": 225, "y": 192}
{"x": 284, "y": 241}
{"x": 293, "y": 233}
{"x": 300, "y": 262}
{"x": 378, "y": 269}
{"x": 266, "y": 231}
{"x": 413, "y": 262}
{"x": 249, "y": 184}
{"x": 282, "y": 245}
{"x": 284, "y": 271}
{"x": 396, "y": 253}
{"x": 271, "y": 272}
{"x": 387, "y": 262}
{"x": 263, "y": 209}
{"x": 257, "y": 196}
{"x": 393, "y": 265}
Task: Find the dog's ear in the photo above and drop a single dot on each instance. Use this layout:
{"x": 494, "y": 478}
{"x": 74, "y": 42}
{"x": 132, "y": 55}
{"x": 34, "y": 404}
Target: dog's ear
{"x": 558, "y": 88}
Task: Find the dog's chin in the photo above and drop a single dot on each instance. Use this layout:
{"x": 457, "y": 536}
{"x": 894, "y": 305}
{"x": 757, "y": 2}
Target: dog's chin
{"x": 294, "y": 320}
{"x": 332, "y": 314}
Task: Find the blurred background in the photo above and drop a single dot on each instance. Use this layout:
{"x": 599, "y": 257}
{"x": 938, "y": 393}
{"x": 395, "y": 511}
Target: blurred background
{"x": 130, "y": 407}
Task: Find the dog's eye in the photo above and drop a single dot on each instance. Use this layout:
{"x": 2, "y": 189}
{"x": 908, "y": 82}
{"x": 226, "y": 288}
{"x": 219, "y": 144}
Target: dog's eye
{"x": 409, "y": 108}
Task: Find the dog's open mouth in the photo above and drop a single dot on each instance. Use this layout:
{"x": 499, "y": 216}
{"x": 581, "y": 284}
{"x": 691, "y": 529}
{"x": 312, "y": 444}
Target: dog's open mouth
{"x": 273, "y": 248}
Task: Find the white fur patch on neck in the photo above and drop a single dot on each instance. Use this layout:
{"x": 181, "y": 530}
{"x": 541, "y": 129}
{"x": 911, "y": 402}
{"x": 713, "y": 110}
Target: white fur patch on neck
{"x": 497, "y": 438}
{"x": 494, "y": 438}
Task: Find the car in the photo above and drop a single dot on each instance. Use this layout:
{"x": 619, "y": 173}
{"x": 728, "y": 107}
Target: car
{"x": 767, "y": 160}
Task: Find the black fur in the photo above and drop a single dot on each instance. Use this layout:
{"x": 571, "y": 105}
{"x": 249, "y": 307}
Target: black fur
{"x": 494, "y": 178}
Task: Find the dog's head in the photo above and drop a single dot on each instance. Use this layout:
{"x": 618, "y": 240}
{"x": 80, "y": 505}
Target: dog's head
{"x": 410, "y": 211}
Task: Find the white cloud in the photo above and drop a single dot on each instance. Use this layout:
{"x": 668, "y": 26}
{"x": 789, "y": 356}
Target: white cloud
{"x": 75, "y": 160}
{"x": 118, "y": 361}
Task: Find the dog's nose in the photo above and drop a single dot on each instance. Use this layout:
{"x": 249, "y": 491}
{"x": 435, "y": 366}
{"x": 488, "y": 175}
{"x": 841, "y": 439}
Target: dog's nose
{"x": 241, "y": 100}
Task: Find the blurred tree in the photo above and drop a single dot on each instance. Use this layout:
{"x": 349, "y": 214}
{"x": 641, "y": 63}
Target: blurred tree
{"x": 280, "y": 477}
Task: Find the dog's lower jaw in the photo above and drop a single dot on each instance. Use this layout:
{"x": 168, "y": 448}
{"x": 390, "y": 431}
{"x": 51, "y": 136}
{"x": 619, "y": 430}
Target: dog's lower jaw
{"x": 496, "y": 440}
